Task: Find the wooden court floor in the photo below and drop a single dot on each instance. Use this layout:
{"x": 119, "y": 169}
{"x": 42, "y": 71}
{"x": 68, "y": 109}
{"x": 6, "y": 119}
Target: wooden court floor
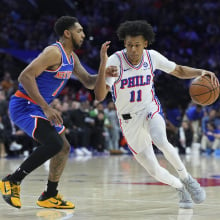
{"x": 115, "y": 188}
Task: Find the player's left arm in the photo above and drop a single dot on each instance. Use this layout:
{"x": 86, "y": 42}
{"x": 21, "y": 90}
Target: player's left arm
{"x": 182, "y": 72}
{"x": 186, "y": 72}
{"x": 89, "y": 80}
{"x": 83, "y": 76}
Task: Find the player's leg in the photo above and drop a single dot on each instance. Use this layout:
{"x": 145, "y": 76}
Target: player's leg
{"x": 51, "y": 142}
{"x": 205, "y": 143}
{"x": 157, "y": 129}
{"x": 58, "y": 162}
{"x": 57, "y": 165}
{"x": 140, "y": 144}
{"x": 149, "y": 161}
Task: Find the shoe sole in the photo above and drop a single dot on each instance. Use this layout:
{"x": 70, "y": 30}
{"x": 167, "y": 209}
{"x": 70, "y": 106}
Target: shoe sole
{"x": 56, "y": 207}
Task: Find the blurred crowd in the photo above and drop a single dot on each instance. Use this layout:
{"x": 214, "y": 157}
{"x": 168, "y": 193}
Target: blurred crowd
{"x": 186, "y": 32}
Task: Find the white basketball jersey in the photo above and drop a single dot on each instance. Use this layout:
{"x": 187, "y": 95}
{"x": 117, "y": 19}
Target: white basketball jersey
{"x": 133, "y": 90}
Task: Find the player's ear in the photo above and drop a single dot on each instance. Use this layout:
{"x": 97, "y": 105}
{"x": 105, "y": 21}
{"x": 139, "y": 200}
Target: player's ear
{"x": 145, "y": 44}
{"x": 66, "y": 33}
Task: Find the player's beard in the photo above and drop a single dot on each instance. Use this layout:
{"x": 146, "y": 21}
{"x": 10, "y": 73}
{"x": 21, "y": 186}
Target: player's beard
{"x": 75, "y": 45}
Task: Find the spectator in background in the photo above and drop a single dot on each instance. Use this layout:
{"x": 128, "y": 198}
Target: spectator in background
{"x": 16, "y": 141}
{"x": 185, "y": 137}
{"x": 98, "y": 132}
{"x": 113, "y": 128}
{"x": 83, "y": 95}
{"x": 210, "y": 139}
{"x": 11, "y": 132}
{"x": 99, "y": 107}
{"x": 173, "y": 118}
{"x": 194, "y": 113}
{"x": 3, "y": 103}
{"x": 7, "y": 84}
{"x": 211, "y": 117}
{"x": 70, "y": 131}
{"x": 80, "y": 126}
{"x": 2, "y": 139}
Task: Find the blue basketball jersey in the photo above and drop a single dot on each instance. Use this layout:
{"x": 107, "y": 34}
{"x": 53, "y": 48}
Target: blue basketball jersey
{"x": 24, "y": 111}
{"x": 51, "y": 82}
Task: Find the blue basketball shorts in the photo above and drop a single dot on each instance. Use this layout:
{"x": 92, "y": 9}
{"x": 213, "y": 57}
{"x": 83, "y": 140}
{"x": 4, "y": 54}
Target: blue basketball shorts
{"x": 25, "y": 115}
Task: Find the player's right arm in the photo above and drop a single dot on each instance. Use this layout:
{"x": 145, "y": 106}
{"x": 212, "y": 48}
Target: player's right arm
{"x": 50, "y": 58}
{"x": 102, "y": 87}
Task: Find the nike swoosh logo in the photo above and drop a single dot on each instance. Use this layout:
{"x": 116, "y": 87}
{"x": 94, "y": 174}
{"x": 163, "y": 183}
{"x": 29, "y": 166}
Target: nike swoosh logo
{"x": 55, "y": 203}
{"x": 127, "y": 69}
{"x": 6, "y": 191}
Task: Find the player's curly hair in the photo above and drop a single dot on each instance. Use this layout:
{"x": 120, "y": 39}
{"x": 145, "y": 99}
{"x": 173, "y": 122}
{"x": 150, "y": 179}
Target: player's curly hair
{"x": 64, "y": 23}
{"x": 136, "y": 28}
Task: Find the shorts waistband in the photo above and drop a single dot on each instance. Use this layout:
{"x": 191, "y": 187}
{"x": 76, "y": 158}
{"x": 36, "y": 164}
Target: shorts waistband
{"x": 128, "y": 116}
{"x": 20, "y": 94}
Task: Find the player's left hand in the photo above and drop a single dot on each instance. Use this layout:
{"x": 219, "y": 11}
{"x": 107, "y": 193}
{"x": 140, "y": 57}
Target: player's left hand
{"x": 111, "y": 71}
{"x": 213, "y": 77}
{"x": 103, "y": 51}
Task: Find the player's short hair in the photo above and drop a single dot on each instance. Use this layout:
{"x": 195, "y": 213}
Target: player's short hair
{"x": 64, "y": 23}
{"x": 136, "y": 28}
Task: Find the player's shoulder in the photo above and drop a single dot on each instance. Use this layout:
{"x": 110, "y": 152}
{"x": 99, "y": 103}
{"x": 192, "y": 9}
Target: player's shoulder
{"x": 51, "y": 55}
{"x": 114, "y": 57}
{"x": 153, "y": 52}
{"x": 52, "y": 50}
{"x": 117, "y": 53}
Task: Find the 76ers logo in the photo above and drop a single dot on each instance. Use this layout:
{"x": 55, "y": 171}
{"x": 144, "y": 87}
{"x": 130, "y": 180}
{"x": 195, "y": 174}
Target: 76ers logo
{"x": 145, "y": 65}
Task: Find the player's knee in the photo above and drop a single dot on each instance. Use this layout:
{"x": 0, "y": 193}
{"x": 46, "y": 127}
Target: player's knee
{"x": 159, "y": 140}
{"x": 48, "y": 137}
{"x": 54, "y": 143}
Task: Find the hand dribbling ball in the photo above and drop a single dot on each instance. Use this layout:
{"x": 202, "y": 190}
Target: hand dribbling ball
{"x": 203, "y": 91}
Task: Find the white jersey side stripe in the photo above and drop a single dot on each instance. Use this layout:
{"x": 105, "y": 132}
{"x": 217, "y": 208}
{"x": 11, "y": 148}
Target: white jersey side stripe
{"x": 151, "y": 66}
{"x": 152, "y": 91}
{"x": 119, "y": 78}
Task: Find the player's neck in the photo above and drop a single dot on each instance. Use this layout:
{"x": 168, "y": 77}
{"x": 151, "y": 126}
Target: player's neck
{"x": 133, "y": 62}
{"x": 68, "y": 49}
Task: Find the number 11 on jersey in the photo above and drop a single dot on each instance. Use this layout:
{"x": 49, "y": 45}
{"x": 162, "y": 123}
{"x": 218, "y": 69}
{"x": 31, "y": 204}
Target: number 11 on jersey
{"x": 135, "y": 94}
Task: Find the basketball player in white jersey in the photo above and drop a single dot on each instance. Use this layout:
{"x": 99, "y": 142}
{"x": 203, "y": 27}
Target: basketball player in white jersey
{"x": 138, "y": 108}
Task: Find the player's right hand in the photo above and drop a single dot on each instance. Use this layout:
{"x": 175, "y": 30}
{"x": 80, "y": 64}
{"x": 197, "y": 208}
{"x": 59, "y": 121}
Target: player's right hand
{"x": 53, "y": 116}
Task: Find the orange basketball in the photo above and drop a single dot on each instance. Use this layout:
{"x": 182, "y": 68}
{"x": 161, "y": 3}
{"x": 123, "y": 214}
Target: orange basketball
{"x": 202, "y": 91}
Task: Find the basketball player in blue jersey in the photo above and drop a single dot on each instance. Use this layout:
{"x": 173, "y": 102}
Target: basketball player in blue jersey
{"x": 138, "y": 108}
{"x": 40, "y": 83}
